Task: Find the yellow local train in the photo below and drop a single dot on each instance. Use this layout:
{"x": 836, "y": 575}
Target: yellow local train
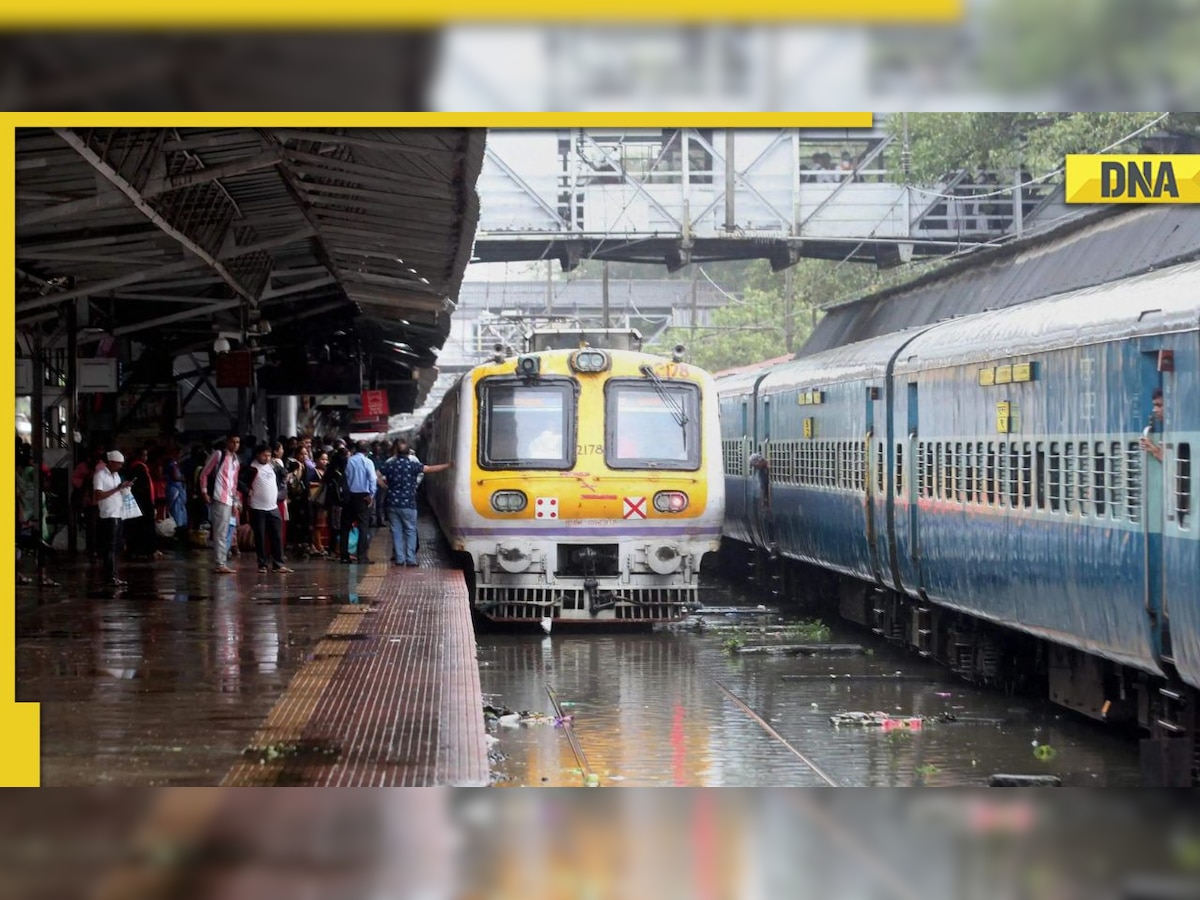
{"x": 587, "y": 483}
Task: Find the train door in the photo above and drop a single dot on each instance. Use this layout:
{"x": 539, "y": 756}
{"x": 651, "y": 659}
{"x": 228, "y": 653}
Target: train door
{"x": 1153, "y": 505}
{"x": 872, "y": 482}
{"x": 919, "y": 475}
{"x": 761, "y": 514}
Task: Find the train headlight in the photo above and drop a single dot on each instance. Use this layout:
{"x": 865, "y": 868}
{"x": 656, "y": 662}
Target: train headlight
{"x": 589, "y": 361}
{"x": 664, "y": 558}
{"x": 670, "y": 501}
{"x": 528, "y": 366}
{"x": 508, "y": 501}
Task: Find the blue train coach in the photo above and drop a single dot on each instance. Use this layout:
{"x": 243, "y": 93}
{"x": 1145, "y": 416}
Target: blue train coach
{"x": 983, "y": 483}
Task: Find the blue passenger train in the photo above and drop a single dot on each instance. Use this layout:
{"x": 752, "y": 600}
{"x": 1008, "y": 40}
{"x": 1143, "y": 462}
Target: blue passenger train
{"x": 983, "y": 483}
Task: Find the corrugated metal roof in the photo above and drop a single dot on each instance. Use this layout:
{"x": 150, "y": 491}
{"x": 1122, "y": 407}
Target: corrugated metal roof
{"x": 1164, "y": 300}
{"x": 1110, "y": 244}
{"x": 167, "y": 235}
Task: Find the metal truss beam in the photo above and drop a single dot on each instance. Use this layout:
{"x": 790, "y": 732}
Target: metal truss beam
{"x": 108, "y": 172}
{"x": 154, "y": 188}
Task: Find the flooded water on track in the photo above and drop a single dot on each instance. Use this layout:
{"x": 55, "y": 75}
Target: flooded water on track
{"x": 656, "y": 709}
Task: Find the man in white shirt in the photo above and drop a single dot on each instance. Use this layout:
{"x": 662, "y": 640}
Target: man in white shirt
{"x": 265, "y": 487}
{"x": 221, "y": 495}
{"x": 109, "y": 491}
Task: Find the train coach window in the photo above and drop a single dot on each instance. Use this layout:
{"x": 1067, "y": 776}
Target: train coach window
{"x": 526, "y": 427}
{"x": 879, "y": 468}
{"x": 1133, "y": 481}
{"x": 1084, "y": 481}
{"x": 960, "y": 469}
{"x": 1027, "y": 475}
{"x": 1183, "y": 484}
{"x": 989, "y": 474}
{"x": 1055, "y": 479}
{"x": 1115, "y": 460}
{"x": 649, "y": 425}
{"x": 899, "y": 470}
{"x": 1002, "y": 474}
{"x": 1039, "y": 469}
{"x": 1068, "y": 499}
{"x": 1100, "y": 495}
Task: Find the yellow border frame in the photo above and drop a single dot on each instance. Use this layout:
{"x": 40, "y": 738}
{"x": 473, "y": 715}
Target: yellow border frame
{"x": 72, "y": 14}
{"x": 20, "y": 737}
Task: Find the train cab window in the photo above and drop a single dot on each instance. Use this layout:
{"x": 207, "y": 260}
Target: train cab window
{"x": 652, "y": 425}
{"x": 1183, "y": 484}
{"x": 1099, "y": 493}
{"x": 523, "y": 426}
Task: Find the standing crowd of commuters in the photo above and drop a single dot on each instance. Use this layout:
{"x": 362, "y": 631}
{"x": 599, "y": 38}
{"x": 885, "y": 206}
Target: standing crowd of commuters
{"x": 298, "y": 497}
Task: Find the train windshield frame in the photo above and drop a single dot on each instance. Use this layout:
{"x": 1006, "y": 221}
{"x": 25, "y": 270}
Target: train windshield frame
{"x": 527, "y": 425}
{"x": 649, "y": 426}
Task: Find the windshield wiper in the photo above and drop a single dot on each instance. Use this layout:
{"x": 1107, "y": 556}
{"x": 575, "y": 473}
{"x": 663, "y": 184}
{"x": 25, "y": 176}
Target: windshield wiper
{"x": 673, "y": 404}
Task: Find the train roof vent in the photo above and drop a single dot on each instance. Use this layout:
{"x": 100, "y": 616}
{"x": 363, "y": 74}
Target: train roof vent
{"x": 575, "y": 338}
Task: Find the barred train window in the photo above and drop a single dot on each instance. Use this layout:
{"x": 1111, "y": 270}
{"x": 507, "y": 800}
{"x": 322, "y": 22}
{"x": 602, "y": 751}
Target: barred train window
{"x": 1115, "y": 459}
{"x": 1183, "y": 484}
{"x": 980, "y": 457}
{"x": 899, "y": 470}
{"x": 1099, "y": 494}
{"x": 1055, "y": 477}
{"x": 989, "y": 474}
{"x": 1002, "y": 474}
{"x": 1027, "y": 476}
{"x": 919, "y": 474}
{"x": 879, "y": 468}
{"x": 1084, "y": 481}
{"x": 1039, "y": 468}
{"x": 1068, "y": 476}
{"x": 960, "y": 469}
{"x": 1133, "y": 481}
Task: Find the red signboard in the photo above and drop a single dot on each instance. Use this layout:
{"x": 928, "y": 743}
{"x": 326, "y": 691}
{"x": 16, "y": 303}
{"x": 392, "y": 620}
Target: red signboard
{"x": 374, "y": 404}
{"x": 235, "y": 369}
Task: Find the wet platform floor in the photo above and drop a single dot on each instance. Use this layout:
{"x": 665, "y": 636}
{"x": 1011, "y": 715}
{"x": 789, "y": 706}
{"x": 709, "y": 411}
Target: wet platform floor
{"x": 183, "y": 677}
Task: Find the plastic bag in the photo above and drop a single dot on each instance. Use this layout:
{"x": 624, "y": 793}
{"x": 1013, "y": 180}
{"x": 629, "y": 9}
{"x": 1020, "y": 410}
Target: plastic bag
{"x": 352, "y": 541}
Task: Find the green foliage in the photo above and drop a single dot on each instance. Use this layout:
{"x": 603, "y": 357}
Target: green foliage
{"x": 770, "y": 314}
{"x": 734, "y": 643}
{"x": 809, "y": 630}
{"x": 943, "y": 143}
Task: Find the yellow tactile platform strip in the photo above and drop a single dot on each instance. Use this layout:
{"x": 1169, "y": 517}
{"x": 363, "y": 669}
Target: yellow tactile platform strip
{"x": 391, "y": 696}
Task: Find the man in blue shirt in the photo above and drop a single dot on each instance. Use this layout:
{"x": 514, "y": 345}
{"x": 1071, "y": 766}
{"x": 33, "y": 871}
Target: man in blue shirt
{"x": 402, "y": 473}
{"x": 356, "y": 508}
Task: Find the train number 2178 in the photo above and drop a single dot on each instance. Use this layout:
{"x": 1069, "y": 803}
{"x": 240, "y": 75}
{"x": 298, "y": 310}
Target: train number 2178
{"x": 586, "y": 449}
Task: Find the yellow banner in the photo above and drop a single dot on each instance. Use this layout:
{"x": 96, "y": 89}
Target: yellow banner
{"x": 301, "y": 13}
{"x": 1121, "y": 178}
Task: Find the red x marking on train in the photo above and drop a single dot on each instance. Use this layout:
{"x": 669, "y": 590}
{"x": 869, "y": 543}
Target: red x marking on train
{"x": 635, "y": 507}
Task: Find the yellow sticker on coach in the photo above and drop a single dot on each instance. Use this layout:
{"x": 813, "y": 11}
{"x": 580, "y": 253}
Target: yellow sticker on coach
{"x": 1145, "y": 178}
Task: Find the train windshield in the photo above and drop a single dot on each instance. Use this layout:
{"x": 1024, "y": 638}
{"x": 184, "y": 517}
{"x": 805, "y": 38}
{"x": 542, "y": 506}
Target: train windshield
{"x": 525, "y": 426}
{"x": 655, "y": 426}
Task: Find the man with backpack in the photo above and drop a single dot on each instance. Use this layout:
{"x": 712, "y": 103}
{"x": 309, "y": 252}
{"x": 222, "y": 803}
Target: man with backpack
{"x": 219, "y": 491}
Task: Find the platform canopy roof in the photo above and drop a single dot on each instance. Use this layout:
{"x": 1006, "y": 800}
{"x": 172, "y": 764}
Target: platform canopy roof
{"x": 343, "y": 241}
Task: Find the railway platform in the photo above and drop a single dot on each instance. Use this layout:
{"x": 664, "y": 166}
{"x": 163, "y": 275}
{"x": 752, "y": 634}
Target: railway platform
{"x": 350, "y": 675}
